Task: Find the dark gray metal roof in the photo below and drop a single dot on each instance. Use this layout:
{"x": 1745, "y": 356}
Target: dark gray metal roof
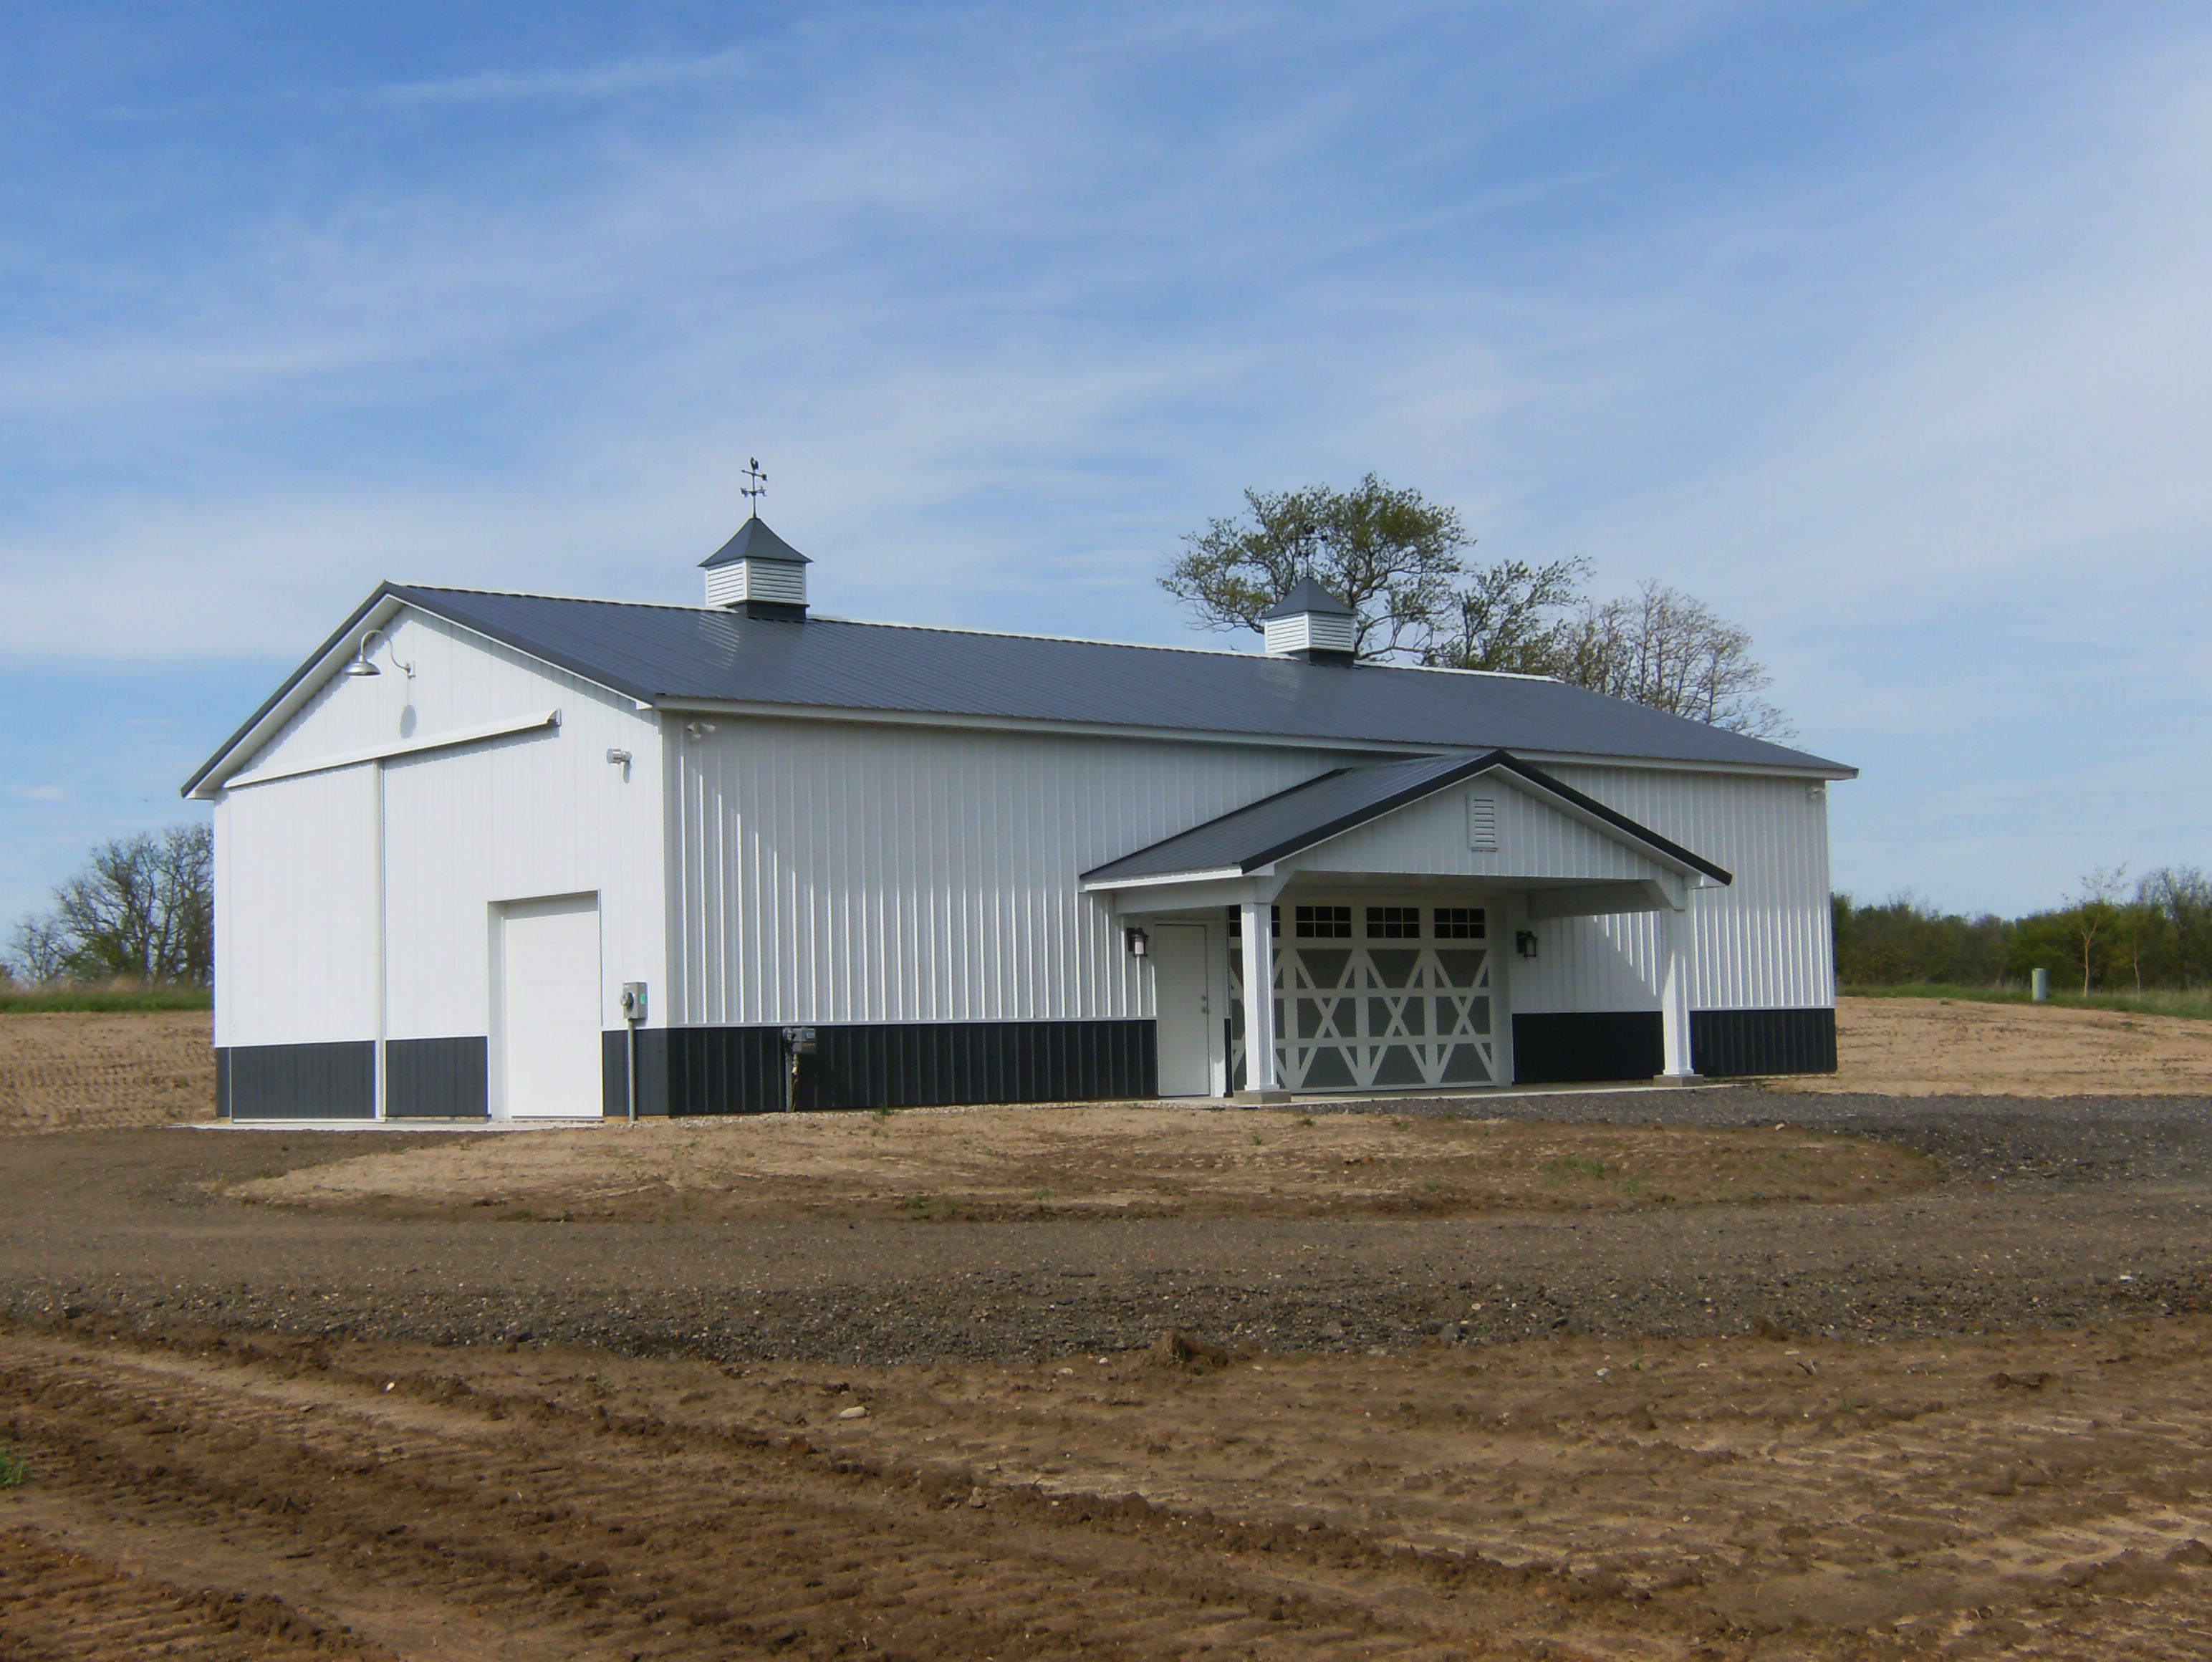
{"x": 680, "y": 655}
{"x": 1308, "y": 594}
{"x": 674, "y": 653}
{"x": 754, "y": 541}
{"x": 1281, "y": 825}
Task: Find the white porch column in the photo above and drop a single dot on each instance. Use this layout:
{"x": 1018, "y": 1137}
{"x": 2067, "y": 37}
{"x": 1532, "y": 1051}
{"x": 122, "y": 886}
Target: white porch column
{"x": 1260, "y": 995}
{"x": 1678, "y": 944}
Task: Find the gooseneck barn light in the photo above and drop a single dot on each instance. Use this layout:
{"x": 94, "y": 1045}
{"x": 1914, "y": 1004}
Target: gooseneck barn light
{"x": 361, "y": 665}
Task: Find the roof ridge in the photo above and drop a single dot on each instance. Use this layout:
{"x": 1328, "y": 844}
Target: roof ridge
{"x": 959, "y": 629}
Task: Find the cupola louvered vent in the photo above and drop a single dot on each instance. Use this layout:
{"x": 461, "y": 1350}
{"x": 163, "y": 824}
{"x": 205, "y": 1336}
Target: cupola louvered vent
{"x": 1482, "y": 824}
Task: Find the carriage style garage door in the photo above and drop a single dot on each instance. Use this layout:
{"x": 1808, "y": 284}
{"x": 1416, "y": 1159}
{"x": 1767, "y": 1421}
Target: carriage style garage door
{"x": 1373, "y": 996}
{"x": 549, "y": 1009}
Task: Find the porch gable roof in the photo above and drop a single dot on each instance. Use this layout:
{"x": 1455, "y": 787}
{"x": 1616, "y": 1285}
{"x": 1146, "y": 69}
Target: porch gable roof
{"x": 1255, "y": 836}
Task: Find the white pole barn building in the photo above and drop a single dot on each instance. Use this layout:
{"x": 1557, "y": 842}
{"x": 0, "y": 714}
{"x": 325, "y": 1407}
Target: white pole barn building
{"x": 979, "y": 867}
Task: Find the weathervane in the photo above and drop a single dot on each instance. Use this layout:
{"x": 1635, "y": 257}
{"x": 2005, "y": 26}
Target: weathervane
{"x": 758, "y": 488}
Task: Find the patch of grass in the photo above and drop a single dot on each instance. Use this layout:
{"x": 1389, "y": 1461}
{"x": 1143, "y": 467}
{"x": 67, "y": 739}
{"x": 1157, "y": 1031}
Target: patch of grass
{"x": 1575, "y": 1165}
{"x": 2194, "y": 1002}
{"x": 933, "y": 1207}
{"x": 1305, "y": 1119}
{"x": 62, "y": 1000}
{"x": 15, "y": 1470}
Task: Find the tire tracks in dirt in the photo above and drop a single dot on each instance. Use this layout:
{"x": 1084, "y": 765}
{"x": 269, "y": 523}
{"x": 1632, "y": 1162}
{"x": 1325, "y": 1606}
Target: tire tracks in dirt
{"x": 421, "y": 1512}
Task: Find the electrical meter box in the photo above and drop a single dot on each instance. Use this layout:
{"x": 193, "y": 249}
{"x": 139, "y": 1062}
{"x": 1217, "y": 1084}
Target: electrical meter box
{"x": 633, "y": 1001}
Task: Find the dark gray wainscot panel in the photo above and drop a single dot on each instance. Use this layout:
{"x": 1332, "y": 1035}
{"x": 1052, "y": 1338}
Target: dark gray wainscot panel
{"x": 297, "y": 1081}
{"x": 1727, "y": 1044}
{"x": 437, "y": 1078}
{"x": 1591, "y": 1046}
{"x": 740, "y": 1070}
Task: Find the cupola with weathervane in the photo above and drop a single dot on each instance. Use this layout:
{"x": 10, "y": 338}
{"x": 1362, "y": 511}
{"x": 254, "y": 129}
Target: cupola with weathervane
{"x": 1311, "y": 623}
{"x": 756, "y": 572}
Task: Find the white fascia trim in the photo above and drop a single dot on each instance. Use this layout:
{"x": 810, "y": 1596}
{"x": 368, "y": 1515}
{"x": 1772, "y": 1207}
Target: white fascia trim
{"x": 1212, "y": 874}
{"x": 444, "y": 740}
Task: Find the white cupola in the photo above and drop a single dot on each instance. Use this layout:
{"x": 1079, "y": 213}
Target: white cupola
{"x": 1311, "y": 623}
{"x": 759, "y": 573}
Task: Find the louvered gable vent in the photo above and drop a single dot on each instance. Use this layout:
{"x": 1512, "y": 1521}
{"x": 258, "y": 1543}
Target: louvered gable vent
{"x": 1482, "y": 824}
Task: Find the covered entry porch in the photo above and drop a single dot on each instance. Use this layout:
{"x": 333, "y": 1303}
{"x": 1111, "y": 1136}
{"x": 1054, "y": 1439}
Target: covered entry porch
{"x": 1391, "y": 909}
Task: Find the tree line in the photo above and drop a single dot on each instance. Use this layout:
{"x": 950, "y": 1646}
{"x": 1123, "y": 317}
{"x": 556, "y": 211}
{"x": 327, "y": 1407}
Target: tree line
{"x": 142, "y": 911}
{"x": 2108, "y": 935}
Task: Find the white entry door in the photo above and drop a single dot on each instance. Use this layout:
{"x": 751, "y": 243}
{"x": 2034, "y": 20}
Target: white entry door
{"x": 1181, "y": 971}
{"x": 549, "y": 1034}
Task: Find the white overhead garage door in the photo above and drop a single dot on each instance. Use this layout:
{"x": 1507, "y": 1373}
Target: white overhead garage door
{"x": 548, "y": 1005}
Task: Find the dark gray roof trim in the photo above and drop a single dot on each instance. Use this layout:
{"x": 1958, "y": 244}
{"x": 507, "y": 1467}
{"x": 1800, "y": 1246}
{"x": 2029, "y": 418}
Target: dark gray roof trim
{"x": 1283, "y": 825}
{"x": 754, "y": 541}
{"x": 1308, "y": 594}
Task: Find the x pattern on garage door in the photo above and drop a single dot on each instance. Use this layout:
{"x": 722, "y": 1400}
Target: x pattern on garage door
{"x": 1357, "y": 1015}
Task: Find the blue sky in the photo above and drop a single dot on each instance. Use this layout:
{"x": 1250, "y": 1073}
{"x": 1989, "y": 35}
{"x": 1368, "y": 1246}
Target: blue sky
{"x": 1883, "y": 328}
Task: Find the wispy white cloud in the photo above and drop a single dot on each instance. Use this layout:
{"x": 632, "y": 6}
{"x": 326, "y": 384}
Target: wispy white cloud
{"x": 1008, "y": 299}
{"x": 625, "y": 78}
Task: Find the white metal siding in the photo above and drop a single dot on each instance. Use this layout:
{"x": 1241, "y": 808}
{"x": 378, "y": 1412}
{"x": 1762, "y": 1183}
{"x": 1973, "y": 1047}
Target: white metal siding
{"x": 830, "y": 872}
{"x": 532, "y": 815}
{"x": 1431, "y": 836}
{"x": 1762, "y": 943}
{"x": 296, "y": 911}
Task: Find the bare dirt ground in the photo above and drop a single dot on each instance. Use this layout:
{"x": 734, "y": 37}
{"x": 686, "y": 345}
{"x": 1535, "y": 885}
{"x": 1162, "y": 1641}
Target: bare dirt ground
{"x": 1927, "y": 1378}
{"x": 1944, "y": 1047}
{"x": 1094, "y": 1161}
{"x": 76, "y": 1072}
{"x": 218, "y": 1495}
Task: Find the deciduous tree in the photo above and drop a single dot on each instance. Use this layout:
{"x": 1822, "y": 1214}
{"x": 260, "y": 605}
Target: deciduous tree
{"x": 141, "y": 909}
{"x": 1391, "y": 554}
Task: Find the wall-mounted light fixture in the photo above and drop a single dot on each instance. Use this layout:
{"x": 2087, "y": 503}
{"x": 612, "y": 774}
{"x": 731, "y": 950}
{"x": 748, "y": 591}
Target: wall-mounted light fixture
{"x": 697, "y": 730}
{"x": 360, "y": 665}
{"x": 1524, "y": 942}
{"x": 1815, "y": 791}
{"x": 1140, "y": 943}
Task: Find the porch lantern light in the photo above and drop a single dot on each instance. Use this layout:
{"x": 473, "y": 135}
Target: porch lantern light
{"x": 1524, "y": 942}
{"x": 1140, "y": 943}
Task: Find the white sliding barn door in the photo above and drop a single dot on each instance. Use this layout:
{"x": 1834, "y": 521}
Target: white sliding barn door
{"x": 549, "y": 1009}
